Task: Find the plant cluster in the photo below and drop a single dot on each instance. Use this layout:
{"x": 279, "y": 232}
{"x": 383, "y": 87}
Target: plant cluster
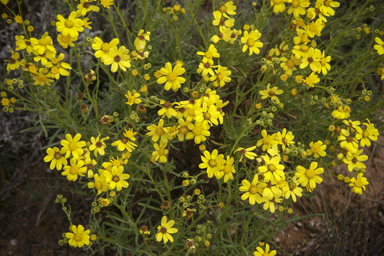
{"x": 271, "y": 95}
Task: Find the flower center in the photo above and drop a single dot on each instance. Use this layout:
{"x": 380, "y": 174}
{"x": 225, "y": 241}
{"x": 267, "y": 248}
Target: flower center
{"x": 117, "y": 58}
{"x": 310, "y": 59}
{"x": 208, "y": 55}
{"x": 266, "y": 140}
{"x": 271, "y": 167}
{"x": 196, "y": 131}
{"x": 57, "y": 155}
{"x": 105, "y": 47}
{"x": 78, "y": 237}
{"x": 312, "y": 26}
{"x": 323, "y": 61}
{"x": 207, "y": 116}
{"x": 54, "y": 70}
{"x": 183, "y": 130}
{"x": 295, "y": 3}
{"x": 354, "y": 160}
{"x": 304, "y": 48}
{"x": 12, "y": 61}
{"x": 124, "y": 140}
{"x": 212, "y": 163}
{"x": 99, "y": 144}
{"x": 365, "y": 134}
{"x": 250, "y": 42}
{"x": 349, "y": 139}
{"x": 160, "y": 131}
{"x": 285, "y": 141}
{"x": 86, "y": 5}
{"x": 271, "y": 93}
{"x": 310, "y": 173}
{"x": 171, "y": 77}
{"x": 69, "y": 24}
{"x": 207, "y": 65}
{"x": 116, "y": 178}
{"x": 223, "y": 8}
{"x": 358, "y": 183}
{"x": 163, "y": 230}
{"x": 222, "y": 23}
{"x": 98, "y": 185}
{"x": 73, "y": 146}
{"x": 253, "y": 189}
{"x": 161, "y": 151}
{"x": 227, "y": 168}
{"x": 43, "y": 41}
{"x": 167, "y": 104}
{"x": 74, "y": 170}
{"x": 42, "y": 78}
{"x": 220, "y": 77}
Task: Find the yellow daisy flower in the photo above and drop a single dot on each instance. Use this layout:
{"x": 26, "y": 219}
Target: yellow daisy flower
{"x": 247, "y": 152}
{"x": 116, "y": 178}
{"x": 165, "y": 229}
{"x": 358, "y": 184}
{"x": 103, "y": 48}
{"x": 118, "y": 57}
{"x": 78, "y": 237}
{"x": 171, "y": 77}
{"x": 84, "y": 7}
{"x": 271, "y": 92}
{"x": 379, "y": 46}
{"x": 141, "y": 40}
{"x": 229, "y": 169}
{"x": 132, "y": 98}
{"x": 228, "y": 7}
{"x": 317, "y": 149}
{"x": 198, "y": 131}
{"x": 100, "y": 184}
{"x": 210, "y": 54}
{"x": 309, "y": 176}
{"x": 212, "y": 162}
{"x": 253, "y": 190}
{"x": 73, "y": 146}
{"x": 160, "y": 153}
{"x": 250, "y": 40}
{"x": 159, "y": 131}
{"x": 71, "y": 26}
{"x": 98, "y": 145}
{"x": 76, "y": 168}
{"x": 55, "y": 156}
{"x": 278, "y": 5}
{"x": 261, "y": 252}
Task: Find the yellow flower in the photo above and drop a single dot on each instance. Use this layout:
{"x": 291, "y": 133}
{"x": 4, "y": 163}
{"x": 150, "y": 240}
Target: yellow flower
{"x": 79, "y": 237}
{"x": 55, "y": 156}
{"x": 44, "y": 45}
{"x": 4, "y": 2}
{"x": 367, "y": 135}
{"x": 14, "y": 62}
{"x": 356, "y": 161}
{"x": 106, "y": 3}
{"x": 205, "y": 68}
{"x": 341, "y": 112}
{"x": 118, "y": 58}
{"x": 100, "y": 184}
{"x": 116, "y": 178}
{"x": 158, "y": 131}
{"x": 231, "y": 37}
{"x": 250, "y": 40}
{"x": 267, "y": 141}
{"x": 358, "y": 184}
{"x": 76, "y": 168}
{"x": 167, "y": 109}
{"x": 141, "y": 40}
{"x": 18, "y": 19}
{"x": 271, "y": 93}
{"x": 224, "y": 32}
{"x": 210, "y": 54}
{"x": 165, "y": 229}
{"x": 247, "y": 152}
{"x": 87, "y": 24}
{"x": 379, "y": 46}
{"x": 222, "y": 75}
{"x": 103, "y": 48}
{"x": 66, "y": 41}
{"x": 253, "y": 190}
{"x": 228, "y": 7}
{"x": 171, "y": 77}
{"x": 73, "y": 146}
{"x": 285, "y": 139}
{"x": 260, "y": 251}
{"x": 298, "y": 7}
{"x": 98, "y": 145}
{"x": 221, "y": 22}
{"x": 199, "y": 131}
{"x": 278, "y": 5}
{"x": 326, "y": 7}
{"x": 60, "y": 67}
{"x": 312, "y": 59}
{"x": 289, "y": 64}
{"x": 42, "y": 79}
{"x": 315, "y": 28}
{"x": 71, "y": 26}
{"x": 312, "y": 79}
{"x": 309, "y": 176}
{"x": 132, "y": 98}
{"x": 214, "y": 163}
{"x": 272, "y": 168}
{"x": 325, "y": 67}
{"x": 23, "y": 43}
{"x": 84, "y": 7}
{"x": 160, "y": 153}
{"x": 124, "y": 143}
{"x": 317, "y": 148}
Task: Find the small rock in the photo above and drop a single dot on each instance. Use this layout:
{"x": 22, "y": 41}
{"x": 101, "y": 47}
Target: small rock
{"x": 295, "y": 228}
{"x": 13, "y": 242}
{"x": 277, "y": 239}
